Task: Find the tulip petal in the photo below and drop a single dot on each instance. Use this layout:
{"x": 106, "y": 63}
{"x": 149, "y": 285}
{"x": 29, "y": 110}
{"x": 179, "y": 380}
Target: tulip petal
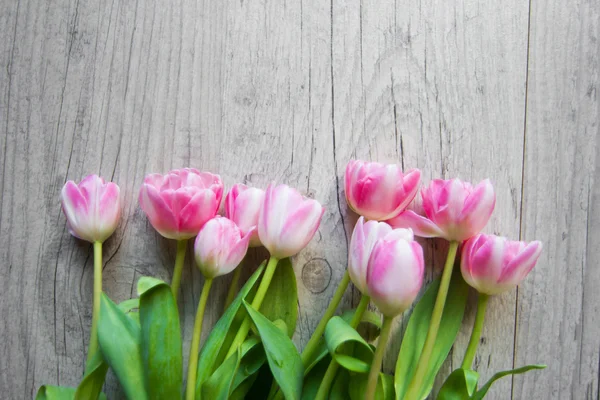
{"x": 159, "y": 213}
{"x": 300, "y": 227}
{"x": 520, "y": 266}
{"x": 421, "y": 226}
{"x": 478, "y": 206}
{"x": 201, "y": 208}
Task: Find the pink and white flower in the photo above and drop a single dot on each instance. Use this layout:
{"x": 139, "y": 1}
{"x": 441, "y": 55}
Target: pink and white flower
{"x": 179, "y": 203}
{"x": 92, "y": 208}
{"x": 242, "y": 206}
{"x": 364, "y": 237}
{"x": 395, "y": 272}
{"x": 379, "y": 191}
{"x": 287, "y": 221}
{"x": 220, "y": 247}
{"x": 493, "y": 264}
{"x": 454, "y": 210}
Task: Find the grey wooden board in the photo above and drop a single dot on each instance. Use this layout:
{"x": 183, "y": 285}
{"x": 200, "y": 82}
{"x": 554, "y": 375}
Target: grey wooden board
{"x": 290, "y": 91}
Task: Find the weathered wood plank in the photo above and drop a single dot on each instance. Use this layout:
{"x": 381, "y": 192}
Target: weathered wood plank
{"x": 558, "y": 305}
{"x": 263, "y": 91}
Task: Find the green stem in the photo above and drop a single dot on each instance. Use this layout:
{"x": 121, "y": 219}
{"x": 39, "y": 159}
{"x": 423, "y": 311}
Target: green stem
{"x": 233, "y": 287}
{"x": 190, "y": 392}
{"x": 313, "y": 342}
{"x": 333, "y": 365}
{"x": 256, "y": 303}
{"x": 378, "y": 358}
{"x": 93, "y": 348}
{"x": 179, "y": 259}
{"x": 476, "y": 334}
{"x": 415, "y": 385}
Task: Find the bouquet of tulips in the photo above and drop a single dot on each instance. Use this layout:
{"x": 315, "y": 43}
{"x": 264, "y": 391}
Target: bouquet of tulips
{"x": 249, "y": 352}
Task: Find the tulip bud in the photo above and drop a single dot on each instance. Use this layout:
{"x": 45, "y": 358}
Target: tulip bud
{"x": 179, "y": 203}
{"x": 493, "y": 264}
{"x": 287, "y": 221}
{"x": 378, "y": 191}
{"x": 363, "y": 239}
{"x": 395, "y": 272}
{"x": 92, "y": 208}
{"x": 220, "y": 247}
{"x": 242, "y": 206}
{"x": 455, "y": 210}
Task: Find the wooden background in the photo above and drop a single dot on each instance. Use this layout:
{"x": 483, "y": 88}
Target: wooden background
{"x": 289, "y": 91}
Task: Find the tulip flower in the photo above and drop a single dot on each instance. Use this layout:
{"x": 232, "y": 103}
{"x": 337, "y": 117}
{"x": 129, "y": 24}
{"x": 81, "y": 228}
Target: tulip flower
{"x": 178, "y": 204}
{"x": 364, "y": 237}
{"x": 455, "y": 210}
{"x": 394, "y": 278}
{"x": 395, "y": 272}
{"x": 379, "y": 191}
{"x": 492, "y": 265}
{"x": 219, "y": 248}
{"x": 93, "y": 210}
{"x": 287, "y": 221}
{"x": 242, "y": 206}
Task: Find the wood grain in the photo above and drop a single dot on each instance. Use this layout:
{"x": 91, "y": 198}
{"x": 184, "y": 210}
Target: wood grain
{"x": 262, "y": 91}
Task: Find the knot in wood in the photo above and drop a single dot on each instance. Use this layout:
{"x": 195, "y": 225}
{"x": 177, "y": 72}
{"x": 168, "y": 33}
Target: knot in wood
{"x": 316, "y": 275}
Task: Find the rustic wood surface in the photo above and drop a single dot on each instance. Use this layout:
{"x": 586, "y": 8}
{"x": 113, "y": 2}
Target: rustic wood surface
{"x": 262, "y": 91}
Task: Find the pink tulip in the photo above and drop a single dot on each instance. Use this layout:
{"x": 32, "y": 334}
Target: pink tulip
{"x": 378, "y": 191}
{"x": 395, "y": 272}
{"x": 179, "y": 203}
{"x": 242, "y": 206}
{"x": 363, "y": 239}
{"x": 92, "y": 208}
{"x": 287, "y": 221}
{"x": 220, "y": 247}
{"x": 493, "y": 264}
{"x": 455, "y": 210}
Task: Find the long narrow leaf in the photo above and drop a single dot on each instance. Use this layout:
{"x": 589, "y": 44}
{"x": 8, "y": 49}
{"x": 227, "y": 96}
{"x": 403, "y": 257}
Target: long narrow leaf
{"x": 283, "y": 357}
{"x": 160, "y": 339}
{"x": 119, "y": 337}
{"x": 480, "y": 394}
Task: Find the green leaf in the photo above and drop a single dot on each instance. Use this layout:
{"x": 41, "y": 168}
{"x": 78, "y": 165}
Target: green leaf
{"x": 283, "y": 357}
{"x": 370, "y": 322}
{"x": 345, "y": 345}
{"x": 484, "y": 389}
{"x": 281, "y": 299}
{"x": 313, "y": 378}
{"x": 48, "y": 392}
{"x": 160, "y": 339}
{"x": 339, "y": 388}
{"x": 91, "y": 385}
{"x": 414, "y": 337}
{"x": 221, "y": 336}
{"x": 460, "y": 385}
{"x": 120, "y": 337}
{"x": 218, "y": 386}
{"x": 358, "y": 387}
{"x": 253, "y": 358}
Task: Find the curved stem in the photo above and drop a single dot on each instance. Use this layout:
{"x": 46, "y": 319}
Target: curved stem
{"x": 179, "y": 259}
{"x": 333, "y": 365}
{"x": 233, "y": 287}
{"x": 313, "y": 342}
{"x": 434, "y": 324}
{"x": 190, "y": 392}
{"x": 476, "y": 333}
{"x": 378, "y": 358}
{"x": 93, "y": 347}
{"x": 256, "y": 303}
